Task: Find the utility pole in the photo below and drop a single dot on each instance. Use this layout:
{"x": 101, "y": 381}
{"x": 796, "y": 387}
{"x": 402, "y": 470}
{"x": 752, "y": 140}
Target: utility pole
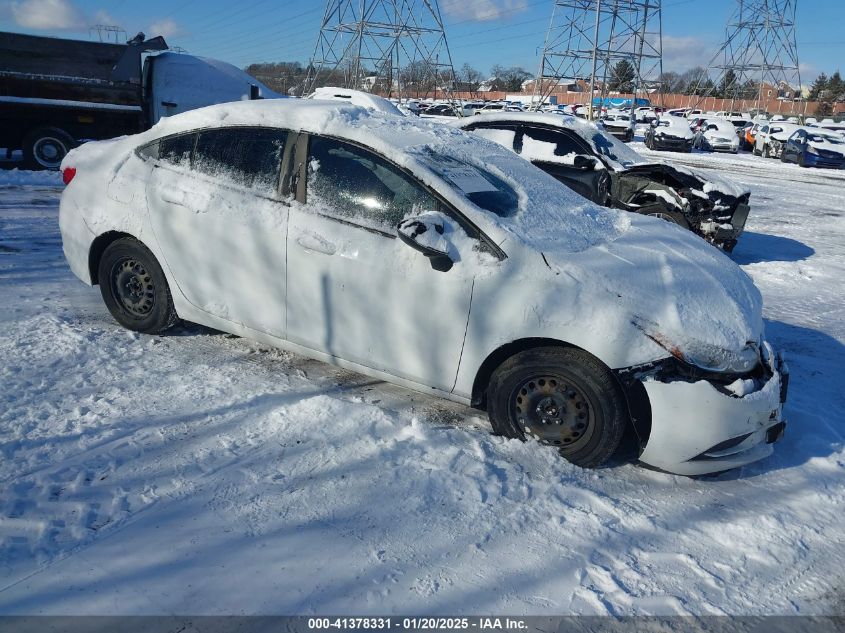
{"x": 402, "y": 42}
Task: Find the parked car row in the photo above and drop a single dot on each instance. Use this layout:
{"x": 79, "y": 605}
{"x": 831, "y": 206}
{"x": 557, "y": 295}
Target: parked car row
{"x": 435, "y": 258}
{"x": 812, "y": 145}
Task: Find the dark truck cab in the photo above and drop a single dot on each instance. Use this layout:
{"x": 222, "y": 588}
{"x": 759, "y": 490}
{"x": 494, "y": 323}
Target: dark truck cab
{"x": 56, "y": 93}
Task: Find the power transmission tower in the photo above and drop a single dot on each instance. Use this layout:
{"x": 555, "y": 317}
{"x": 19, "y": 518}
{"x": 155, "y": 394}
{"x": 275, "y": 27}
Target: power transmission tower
{"x": 393, "y": 47}
{"x": 588, "y": 38}
{"x": 106, "y": 32}
{"x": 760, "y": 48}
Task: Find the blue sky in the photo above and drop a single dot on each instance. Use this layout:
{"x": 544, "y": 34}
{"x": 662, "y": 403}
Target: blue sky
{"x": 480, "y": 32}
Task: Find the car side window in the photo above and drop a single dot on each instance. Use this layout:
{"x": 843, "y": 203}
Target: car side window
{"x": 351, "y": 183}
{"x": 504, "y": 135}
{"x": 175, "y": 150}
{"x": 547, "y": 145}
{"x": 245, "y": 156}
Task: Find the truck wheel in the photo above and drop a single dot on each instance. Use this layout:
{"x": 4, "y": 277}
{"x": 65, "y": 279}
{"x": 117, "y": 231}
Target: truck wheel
{"x": 46, "y": 147}
{"x": 134, "y": 288}
{"x": 564, "y": 397}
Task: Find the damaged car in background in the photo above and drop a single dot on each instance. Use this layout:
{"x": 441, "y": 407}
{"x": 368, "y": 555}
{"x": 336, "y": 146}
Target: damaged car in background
{"x": 671, "y": 133}
{"x": 606, "y": 171}
{"x": 331, "y": 231}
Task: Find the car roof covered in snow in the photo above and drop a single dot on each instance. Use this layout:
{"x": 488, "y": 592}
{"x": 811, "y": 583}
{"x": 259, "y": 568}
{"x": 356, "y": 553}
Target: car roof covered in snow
{"x": 619, "y": 155}
{"x": 356, "y": 97}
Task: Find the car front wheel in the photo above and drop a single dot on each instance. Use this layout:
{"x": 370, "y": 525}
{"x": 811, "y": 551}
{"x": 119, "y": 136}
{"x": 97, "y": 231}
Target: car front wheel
{"x": 675, "y": 217}
{"x": 563, "y": 397}
{"x": 134, "y": 288}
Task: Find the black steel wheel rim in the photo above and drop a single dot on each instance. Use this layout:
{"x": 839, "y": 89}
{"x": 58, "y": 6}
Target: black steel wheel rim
{"x": 553, "y": 410}
{"x": 133, "y": 287}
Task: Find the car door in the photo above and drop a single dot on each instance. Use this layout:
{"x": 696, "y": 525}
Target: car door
{"x": 565, "y": 156}
{"x": 355, "y": 291}
{"x": 762, "y": 137}
{"x": 219, "y": 220}
{"x": 796, "y": 145}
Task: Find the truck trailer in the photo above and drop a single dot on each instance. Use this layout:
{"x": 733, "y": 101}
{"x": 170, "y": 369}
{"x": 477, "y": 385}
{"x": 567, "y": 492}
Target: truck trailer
{"x": 57, "y": 93}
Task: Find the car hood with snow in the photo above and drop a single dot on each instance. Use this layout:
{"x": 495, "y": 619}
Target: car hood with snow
{"x": 668, "y": 281}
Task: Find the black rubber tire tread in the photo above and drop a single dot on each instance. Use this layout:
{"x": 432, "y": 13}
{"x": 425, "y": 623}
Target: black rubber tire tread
{"x": 32, "y": 137}
{"x": 163, "y": 315}
{"x": 677, "y": 217}
{"x": 579, "y": 368}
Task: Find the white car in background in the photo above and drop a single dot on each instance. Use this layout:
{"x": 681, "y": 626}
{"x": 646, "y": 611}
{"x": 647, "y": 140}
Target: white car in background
{"x": 717, "y": 135}
{"x": 771, "y": 137}
{"x": 357, "y": 97}
{"x": 670, "y": 133}
{"x": 619, "y": 124}
{"x": 422, "y": 255}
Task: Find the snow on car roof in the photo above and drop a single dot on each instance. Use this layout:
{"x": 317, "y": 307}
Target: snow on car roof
{"x": 550, "y": 216}
{"x": 356, "y": 97}
{"x": 615, "y": 152}
{"x": 721, "y": 124}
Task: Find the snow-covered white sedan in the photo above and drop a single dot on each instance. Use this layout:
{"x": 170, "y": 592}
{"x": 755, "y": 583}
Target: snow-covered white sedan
{"x": 717, "y": 135}
{"x": 423, "y": 255}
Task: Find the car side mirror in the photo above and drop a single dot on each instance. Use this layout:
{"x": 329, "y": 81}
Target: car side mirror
{"x": 584, "y": 162}
{"x": 425, "y": 234}
{"x": 654, "y": 123}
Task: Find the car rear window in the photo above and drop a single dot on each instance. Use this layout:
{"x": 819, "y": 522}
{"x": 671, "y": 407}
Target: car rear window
{"x": 246, "y": 156}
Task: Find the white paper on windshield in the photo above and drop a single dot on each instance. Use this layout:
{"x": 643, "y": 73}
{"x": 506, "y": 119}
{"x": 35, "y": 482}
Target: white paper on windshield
{"x": 468, "y": 179}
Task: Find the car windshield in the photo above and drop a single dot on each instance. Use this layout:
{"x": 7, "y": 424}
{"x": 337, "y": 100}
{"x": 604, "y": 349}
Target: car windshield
{"x": 612, "y": 150}
{"x": 521, "y": 199}
{"x": 478, "y": 185}
{"x": 824, "y": 138}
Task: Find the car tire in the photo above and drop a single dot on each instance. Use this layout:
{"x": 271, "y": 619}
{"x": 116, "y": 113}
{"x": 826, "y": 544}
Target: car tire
{"x": 134, "y": 287}
{"x": 46, "y": 147}
{"x": 801, "y": 161}
{"x": 562, "y": 396}
{"x": 766, "y": 150}
{"x": 675, "y": 217}
{"x": 755, "y": 151}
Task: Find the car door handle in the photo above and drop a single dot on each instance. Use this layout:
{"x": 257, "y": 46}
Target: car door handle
{"x": 173, "y": 197}
{"x": 316, "y": 243}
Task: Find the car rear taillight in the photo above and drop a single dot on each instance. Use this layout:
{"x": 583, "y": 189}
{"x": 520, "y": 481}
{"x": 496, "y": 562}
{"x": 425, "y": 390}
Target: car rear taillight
{"x": 67, "y": 174}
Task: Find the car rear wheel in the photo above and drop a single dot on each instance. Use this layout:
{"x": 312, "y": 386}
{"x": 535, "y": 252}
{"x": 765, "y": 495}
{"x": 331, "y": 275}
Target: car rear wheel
{"x": 134, "y": 287}
{"x": 563, "y": 397}
{"x": 675, "y": 217}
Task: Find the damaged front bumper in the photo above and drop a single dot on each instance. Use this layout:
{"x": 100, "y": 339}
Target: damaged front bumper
{"x": 699, "y": 427}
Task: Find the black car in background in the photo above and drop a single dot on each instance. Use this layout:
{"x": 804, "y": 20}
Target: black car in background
{"x": 606, "y": 171}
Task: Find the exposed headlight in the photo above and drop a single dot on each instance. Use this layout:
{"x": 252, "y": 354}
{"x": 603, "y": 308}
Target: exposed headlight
{"x": 812, "y": 150}
{"x": 716, "y": 359}
{"x": 706, "y": 356}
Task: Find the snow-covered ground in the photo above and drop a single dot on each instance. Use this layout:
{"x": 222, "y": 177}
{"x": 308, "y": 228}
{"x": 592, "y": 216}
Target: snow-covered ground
{"x": 198, "y": 473}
